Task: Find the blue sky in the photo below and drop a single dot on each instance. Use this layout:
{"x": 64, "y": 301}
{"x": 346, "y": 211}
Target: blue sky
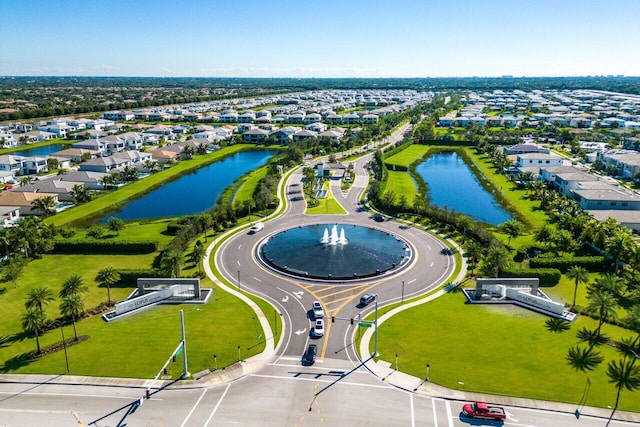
{"x": 326, "y": 38}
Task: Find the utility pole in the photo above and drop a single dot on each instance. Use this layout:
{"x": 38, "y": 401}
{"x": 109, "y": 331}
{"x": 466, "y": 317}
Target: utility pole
{"x": 185, "y": 372}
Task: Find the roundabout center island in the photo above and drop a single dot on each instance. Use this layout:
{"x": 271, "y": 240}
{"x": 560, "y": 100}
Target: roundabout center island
{"x": 334, "y": 252}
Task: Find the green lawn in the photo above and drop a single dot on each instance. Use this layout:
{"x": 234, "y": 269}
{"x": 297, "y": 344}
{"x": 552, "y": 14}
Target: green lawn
{"x": 138, "y": 345}
{"x": 249, "y": 185}
{"x": 329, "y": 205}
{"x": 503, "y": 350}
{"x": 407, "y": 156}
{"x": 401, "y": 184}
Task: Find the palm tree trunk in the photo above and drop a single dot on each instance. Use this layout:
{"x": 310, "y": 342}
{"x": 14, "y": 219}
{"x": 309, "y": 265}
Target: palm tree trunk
{"x": 615, "y": 407}
{"x": 575, "y": 292}
{"x": 37, "y": 342}
{"x": 75, "y": 333}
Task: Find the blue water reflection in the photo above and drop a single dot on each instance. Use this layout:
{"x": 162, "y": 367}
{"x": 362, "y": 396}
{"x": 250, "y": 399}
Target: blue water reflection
{"x": 196, "y": 192}
{"x": 452, "y": 184}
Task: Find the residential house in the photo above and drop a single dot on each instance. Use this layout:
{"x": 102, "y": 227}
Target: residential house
{"x": 351, "y": 119}
{"x": 333, "y": 119}
{"x": 316, "y": 127}
{"x": 244, "y": 127}
{"x": 93, "y": 180}
{"x": 166, "y": 154}
{"x": 303, "y": 135}
{"x": 296, "y": 117}
{"x": 93, "y": 145}
{"x": 312, "y": 118}
{"x": 369, "y": 119}
{"x": 538, "y": 160}
{"x": 9, "y": 216}
{"x": 283, "y": 135}
{"x": 626, "y": 163}
{"x": 61, "y": 188}
{"x": 255, "y": 135}
{"x": 76, "y": 154}
{"x": 334, "y": 134}
{"x": 566, "y": 182}
{"x": 24, "y": 201}
{"x": 38, "y": 136}
{"x": 118, "y": 115}
{"x": 33, "y": 165}
{"x": 246, "y": 117}
{"x": 10, "y": 163}
{"x": 229, "y": 116}
{"x": 525, "y": 148}
{"x": 607, "y": 197}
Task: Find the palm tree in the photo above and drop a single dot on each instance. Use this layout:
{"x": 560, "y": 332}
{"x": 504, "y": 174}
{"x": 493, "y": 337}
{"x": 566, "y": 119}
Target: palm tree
{"x": 603, "y": 304}
{"x": 582, "y": 359}
{"x": 80, "y": 193}
{"x": 33, "y": 321}
{"x": 107, "y": 277}
{"x": 618, "y": 246}
{"x": 512, "y": 228}
{"x": 46, "y": 205}
{"x": 610, "y": 283}
{"x": 496, "y": 260}
{"x": 556, "y": 325}
{"x": 37, "y": 298}
{"x": 623, "y": 374}
{"x": 73, "y": 285}
{"x": 72, "y": 306}
{"x": 578, "y": 275}
{"x": 26, "y": 180}
{"x": 115, "y": 224}
{"x": 172, "y": 263}
{"x": 197, "y": 254}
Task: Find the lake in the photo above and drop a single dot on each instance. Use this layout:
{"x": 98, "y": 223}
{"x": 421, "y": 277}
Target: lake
{"x": 193, "y": 193}
{"x": 451, "y": 183}
{"x": 39, "y": 151}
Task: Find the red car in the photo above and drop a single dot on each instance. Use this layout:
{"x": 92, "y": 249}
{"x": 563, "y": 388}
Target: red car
{"x": 484, "y": 411}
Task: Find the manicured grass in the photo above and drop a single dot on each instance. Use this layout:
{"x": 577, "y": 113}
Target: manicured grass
{"x": 407, "y": 156}
{"x": 502, "y": 350}
{"x": 249, "y": 185}
{"x": 133, "y": 231}
{"x": 329, "y": 205}
{"x": 139, "y": 345}
{"x": 401, "y": 184}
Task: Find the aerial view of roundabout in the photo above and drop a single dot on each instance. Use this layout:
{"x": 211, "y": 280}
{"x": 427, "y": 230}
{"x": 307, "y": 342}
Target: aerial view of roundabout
{"x": 334, "y": 280}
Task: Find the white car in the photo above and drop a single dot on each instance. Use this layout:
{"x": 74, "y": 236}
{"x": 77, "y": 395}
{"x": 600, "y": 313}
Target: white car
{"x": 318, "y": 328}
{"x": 318, "y": 312}
{"x": 258, "y": 226}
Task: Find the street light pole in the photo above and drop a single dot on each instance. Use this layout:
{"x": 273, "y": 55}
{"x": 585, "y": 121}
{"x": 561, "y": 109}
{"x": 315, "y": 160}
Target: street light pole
{"x": 427, "y": 378}
{"x": 375, "y": 337}
{"x": 64, "y": 343}
{"x": 239, "y": 288}
{"x": 402, "y": 299}
{"x": 185, "y": 372}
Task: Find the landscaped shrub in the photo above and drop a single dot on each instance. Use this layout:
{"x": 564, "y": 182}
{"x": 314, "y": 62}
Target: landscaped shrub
{"x": 547, "y": 276}
{"x": 174, "y": 227}
{"x": 591, "y": 263}
{"x": 130, "y": 277}
{"x": 103, "y": 247}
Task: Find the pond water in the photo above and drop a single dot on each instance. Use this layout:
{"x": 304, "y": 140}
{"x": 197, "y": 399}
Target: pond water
{"x": 452, "y": 184}
{"x": 193, "y": 193}
{"x": 39, "y": 151}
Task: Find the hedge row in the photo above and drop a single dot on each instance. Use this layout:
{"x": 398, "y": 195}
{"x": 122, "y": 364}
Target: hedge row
{"x": 394, "y": 167}
{"x": 130, "y": 277}
{"x": 591, "y": 263}
{"x": 547, "y": 276}
{"x": 103, "y": 247}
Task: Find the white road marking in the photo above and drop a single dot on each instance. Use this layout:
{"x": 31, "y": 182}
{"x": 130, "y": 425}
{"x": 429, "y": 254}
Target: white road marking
{"x": 217, "y": 405}
{"x": 286, "y": 298}
{"x": 510, "y": 416}
{"x": 435, "y": 414}
{"x": 72, "y": 395}
{"x": 449, "y": 415}
{"x": 323, "y": 381}
{"x": 298, "y": 294}
{"x": 258, "y": 280}
{"x": 411, "y": 281}
{"x": 413, "y": 414}
{"x": 431, "y": 264}
{"x": 193, "y": 408}
{"x": 299, "y": 332}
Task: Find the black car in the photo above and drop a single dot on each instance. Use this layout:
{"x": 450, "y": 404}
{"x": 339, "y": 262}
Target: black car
{"x": 309, "y": 356}
{"x": 367, "y": 298}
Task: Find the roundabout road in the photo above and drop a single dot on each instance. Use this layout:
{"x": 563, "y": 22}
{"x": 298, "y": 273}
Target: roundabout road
{"x": 237, "y": 261}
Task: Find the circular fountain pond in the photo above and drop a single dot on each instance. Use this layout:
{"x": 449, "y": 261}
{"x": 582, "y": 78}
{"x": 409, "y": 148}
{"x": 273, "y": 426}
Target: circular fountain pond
{"x": 334, "y": 252}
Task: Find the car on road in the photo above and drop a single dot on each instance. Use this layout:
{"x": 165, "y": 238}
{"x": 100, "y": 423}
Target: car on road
{"x": 484, "y": 411}
{"x": 258, "y": 226}
{"x": 367, "y": 298}
{"x": 318, "y": 328}
{"x": 318, "y": 312}
{"x": 309, "y": 356}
